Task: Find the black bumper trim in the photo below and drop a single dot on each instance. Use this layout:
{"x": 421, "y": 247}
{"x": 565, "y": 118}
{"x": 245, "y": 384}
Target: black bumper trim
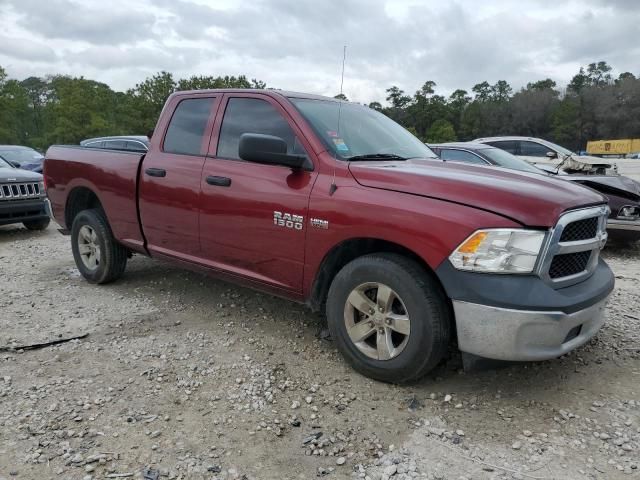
{"x": 525, "y": 292}
{"x": 22, "y": 211}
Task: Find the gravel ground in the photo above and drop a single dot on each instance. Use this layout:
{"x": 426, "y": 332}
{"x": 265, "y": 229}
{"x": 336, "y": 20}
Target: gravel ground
{"x": 183, "y": 376}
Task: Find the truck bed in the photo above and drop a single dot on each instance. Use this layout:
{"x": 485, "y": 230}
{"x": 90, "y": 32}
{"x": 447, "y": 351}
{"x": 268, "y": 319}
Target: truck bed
{"x": 111, "y": 174}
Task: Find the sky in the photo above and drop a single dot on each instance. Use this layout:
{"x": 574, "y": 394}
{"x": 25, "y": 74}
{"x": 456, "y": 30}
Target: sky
{"x": 298, "y": 44}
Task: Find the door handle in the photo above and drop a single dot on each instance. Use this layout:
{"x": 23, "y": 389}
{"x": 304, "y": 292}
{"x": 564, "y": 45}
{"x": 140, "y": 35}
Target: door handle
{"x": 156, "y": 172}
{"x": 218, "y": 181}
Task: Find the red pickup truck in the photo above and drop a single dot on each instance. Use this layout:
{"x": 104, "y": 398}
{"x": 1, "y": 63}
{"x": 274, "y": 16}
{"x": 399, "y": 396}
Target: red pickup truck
{"x": 333, "y": 204}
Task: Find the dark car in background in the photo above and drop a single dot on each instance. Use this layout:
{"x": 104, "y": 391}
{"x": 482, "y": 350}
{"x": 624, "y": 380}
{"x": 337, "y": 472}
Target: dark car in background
{"x": 136, "y": 143}
{"x": 623, "y": 192}
{"x": 22, "y": 198}
{"x": 22, "y": 157}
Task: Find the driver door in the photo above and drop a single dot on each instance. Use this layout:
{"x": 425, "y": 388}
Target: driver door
{"x": 253, "y": 216}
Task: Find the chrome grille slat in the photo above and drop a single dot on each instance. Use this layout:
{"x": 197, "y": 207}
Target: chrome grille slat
{"x": 19, "y": 191}
{"x": 569, "y": 256}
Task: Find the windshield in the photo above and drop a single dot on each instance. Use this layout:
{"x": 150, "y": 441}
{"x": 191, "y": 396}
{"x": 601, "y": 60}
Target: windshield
{"x": 4, "y": 163}
{"x": 21, "y": 155}
{"x": 363, "y": 132}
{"x": 559, "y": 149}
{"x": 504, "y": 159}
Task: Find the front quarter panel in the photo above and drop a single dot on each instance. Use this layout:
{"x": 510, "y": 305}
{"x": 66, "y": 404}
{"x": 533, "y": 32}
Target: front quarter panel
{"x": 428, "y": 227}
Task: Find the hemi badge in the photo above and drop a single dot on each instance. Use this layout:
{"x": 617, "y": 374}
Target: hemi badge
{"x": 319, "y": 223}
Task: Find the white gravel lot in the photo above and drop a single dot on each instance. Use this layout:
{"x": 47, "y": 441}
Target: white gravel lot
{"x": 188, "y": 377}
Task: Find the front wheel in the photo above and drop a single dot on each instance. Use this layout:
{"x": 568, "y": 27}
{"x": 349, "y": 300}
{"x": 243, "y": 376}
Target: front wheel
{"x": 98, "y": 256}
{"x": 389, "y": 317}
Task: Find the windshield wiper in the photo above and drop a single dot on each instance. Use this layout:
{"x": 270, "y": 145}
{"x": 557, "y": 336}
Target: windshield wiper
{"x": 377, "y": 156}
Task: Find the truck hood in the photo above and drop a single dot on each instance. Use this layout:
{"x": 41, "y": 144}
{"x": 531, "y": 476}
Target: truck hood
{"x": 528, "y": 198}
{"x": 18, "y": 175}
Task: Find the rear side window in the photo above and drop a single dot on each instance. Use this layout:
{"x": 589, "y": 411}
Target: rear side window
{"x": 461, "y": 156}
{"x": 252, "y": 115}
{"x": 136, "y": 146}
{"x": 115, "y": 144}
{"x": 533, "y": 149}
{"x": 187, "y": 126}
{"x": 510, "y": 146}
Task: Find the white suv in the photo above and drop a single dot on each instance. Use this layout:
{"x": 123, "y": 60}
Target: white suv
{"x": 543, "y": 153}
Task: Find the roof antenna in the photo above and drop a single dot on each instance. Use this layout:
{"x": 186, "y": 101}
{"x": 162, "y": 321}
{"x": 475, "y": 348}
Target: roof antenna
{"x": 334, "y": 187}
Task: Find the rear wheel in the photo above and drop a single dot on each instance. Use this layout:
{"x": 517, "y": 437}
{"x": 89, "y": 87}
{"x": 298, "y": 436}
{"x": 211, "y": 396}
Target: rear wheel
{"x": 98, "y": 256}
{"x": 389, "y": 317}
{"x": 39, "y": 224}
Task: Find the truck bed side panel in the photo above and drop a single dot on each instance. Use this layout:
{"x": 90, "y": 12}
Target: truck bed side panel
{"x": 110, "y": 174}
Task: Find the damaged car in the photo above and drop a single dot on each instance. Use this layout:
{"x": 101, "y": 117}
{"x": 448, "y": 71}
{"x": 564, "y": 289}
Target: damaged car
{"x": 544, "y": 153}
{"x": 622, "y": 192}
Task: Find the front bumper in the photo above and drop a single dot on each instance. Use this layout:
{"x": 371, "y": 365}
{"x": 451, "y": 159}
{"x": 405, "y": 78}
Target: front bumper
{"x": 625, "y": 230}
{"x": 19, "y": 211}
{"x": 624, "y": 225}
{"x": 524, "y": 335}
{"x": 521, "y": 317}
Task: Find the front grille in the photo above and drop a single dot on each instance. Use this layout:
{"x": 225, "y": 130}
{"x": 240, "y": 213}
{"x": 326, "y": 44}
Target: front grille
{"x": 19, "y": 191}
{"x": 569, "y": 264}
{"x": 574, "y": 245}
{"x": 580, "y": 230}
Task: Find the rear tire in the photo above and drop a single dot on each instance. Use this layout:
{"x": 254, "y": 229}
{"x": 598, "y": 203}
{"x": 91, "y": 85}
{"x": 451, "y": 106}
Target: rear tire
{"x": 40, "y": 224}
{"x": 98, "y": 256}
{"x": 401, "y": 307}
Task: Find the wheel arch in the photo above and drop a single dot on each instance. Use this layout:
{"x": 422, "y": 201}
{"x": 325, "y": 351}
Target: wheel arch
{"x": 80, "y": 198}
{"x": 348, "y": 250}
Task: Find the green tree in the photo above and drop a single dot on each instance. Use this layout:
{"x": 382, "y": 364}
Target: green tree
{"x": 482, "y": 90}
{"x": 599, "y": 74}
{"x": 397, "y": 98}
{"x": 501, "y": 91}
{"x": 441, "y": 131}
{"x": 546, "y": 84}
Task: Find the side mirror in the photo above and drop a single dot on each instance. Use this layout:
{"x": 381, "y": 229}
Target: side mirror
{"x": 268, "y": 149}
{"x": 552, "y": 154}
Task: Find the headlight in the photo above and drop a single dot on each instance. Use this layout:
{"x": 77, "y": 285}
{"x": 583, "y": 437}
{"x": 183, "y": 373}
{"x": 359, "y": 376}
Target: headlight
{"x": 629, "y": 212}
{"x": 499, "y": 251}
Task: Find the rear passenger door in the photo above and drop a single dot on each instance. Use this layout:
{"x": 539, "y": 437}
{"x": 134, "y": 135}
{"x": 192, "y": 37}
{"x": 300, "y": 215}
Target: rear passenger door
{"x": 253, "y": 216}
{"x": 169, "y": 192}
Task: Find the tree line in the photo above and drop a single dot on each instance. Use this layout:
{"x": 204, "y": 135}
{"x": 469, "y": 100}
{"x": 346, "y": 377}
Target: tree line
{"x": 61, "y": 109}
{"x": 39, "y": 112}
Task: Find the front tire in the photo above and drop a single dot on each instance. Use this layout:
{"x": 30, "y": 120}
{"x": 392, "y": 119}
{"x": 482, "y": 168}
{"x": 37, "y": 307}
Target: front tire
{"x": 40, "y": 224}
{"x": 98, "y": 256}
{"x": 389, "y": 317}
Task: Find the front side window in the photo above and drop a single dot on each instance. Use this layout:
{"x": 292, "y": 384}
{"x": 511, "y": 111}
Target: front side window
{"x": 187, "y": 126}
{"x": 253, "y": 115}
{"x": 350, "y": 131}
{"x": 461, "y": 156}
{"x": 533, "y": 149}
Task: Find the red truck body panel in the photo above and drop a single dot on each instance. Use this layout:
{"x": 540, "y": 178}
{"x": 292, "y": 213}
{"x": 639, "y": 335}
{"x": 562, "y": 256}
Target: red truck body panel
{"x": 426, "y": 207}
{"x": 111, "y": 176}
